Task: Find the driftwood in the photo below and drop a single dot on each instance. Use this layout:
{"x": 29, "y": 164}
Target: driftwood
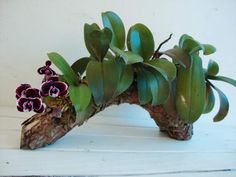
{"x": 59, "y": 118}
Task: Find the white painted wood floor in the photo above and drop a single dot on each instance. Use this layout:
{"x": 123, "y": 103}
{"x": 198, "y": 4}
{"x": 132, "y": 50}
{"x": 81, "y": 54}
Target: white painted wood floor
{"x": 112, "y": 144}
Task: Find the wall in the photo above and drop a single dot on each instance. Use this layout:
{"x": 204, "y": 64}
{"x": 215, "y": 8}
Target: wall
{"x": 29, "y": 29}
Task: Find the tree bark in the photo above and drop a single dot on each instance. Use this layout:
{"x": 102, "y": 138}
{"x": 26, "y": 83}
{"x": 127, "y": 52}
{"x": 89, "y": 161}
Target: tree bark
{"x": 60, "y": 117}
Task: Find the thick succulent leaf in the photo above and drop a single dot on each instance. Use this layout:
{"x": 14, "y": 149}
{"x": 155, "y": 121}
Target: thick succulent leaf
{"x": 61, "y": 78}
{"x": 140, "y": 41}
{"x": 144, "y": 93}
{"x": 208, "y": 49}
{"x": 97, "y": 41}
{"x": 192, "y": 46}
{"x": 127, "y": 56}
{"x": 150, "y": 66}
{"x": 166, "y": 65}
{"x": 212, "y": 68}
{"x": 88, "y": 29}
{"x": 163, "y": 89}
{"x": 158, "y": 86}
{"x": 85, "y": 114}
{"x": 169, "y": 105}
{"x": 103, "y": 78}
{"x": 224, "y": 105}
{"x": 94, "y": 75}
{"x": 179, "y": 56}
{"x": 115, "y": 24}
{"x": 126, "y": 79}
{"x": 224, "y": 79}
{"x": 191, "y": 91}
{"x": 80, "y": 65}
{"x": 111, "y": 78}
{"x": 183, "y": 38}
{"x": 80, "y": 96}
{"x": 152, "y": 85}
{"x": 68, "y": 74}
{"x": 209, "y": 100}
{"x": 109, "y": 55}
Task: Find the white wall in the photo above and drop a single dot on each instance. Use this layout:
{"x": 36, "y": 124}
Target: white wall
{"x": 29, "y": 29}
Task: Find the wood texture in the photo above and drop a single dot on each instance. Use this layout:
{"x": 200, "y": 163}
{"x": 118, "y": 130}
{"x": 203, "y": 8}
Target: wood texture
{"x": 60, "y": 117}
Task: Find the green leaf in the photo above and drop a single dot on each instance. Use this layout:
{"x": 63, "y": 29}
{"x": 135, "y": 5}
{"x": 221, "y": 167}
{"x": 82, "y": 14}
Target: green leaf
{"x": 159, "y": 69}
{"x": 88, "y": 29}
{"x": 192, "y": 46}
{"x": 126, "y": 79}
{"x": 140, "y": 41}
{"x": 127, "y": 56}
{"x": 109, "y": 55}
{"x": 208, "y": 49}
{"x": 179, "y": 56}
{"x": 80, "y": 96}
{"x": 144, "y": 93}
{"x": 97, "y": 41}
{"x": 212, "y": 68}
{"x": 223, "y": 78}
{"x": 153, "y": 86}
{"x": 68, "y": 74}
{"x": 103, "y": 78}
{"x": 164, "y": 64}
{"x": 61, "y": 78}
{"x": 209, "y": 100}
{"x": 94, "y": 75}
{"x": 191, "y": 91}
{"x": 170, "y": 103}
{"x": 163, "y": 89}
{"x": 111, "y": 79}
{"x": 115, "y": 24}
{"x": 183, "y": 38}
{"x": 85, "y": 114}
{"x": 80, "y": 65}
{"x": 224, "y": 105}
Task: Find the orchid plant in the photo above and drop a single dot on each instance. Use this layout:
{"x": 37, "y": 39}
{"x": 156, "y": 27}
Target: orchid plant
{"x": 174, "y": 78}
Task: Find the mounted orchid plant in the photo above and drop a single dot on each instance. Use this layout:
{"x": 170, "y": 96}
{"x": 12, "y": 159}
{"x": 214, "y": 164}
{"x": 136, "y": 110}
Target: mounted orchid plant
{"x": 174, "y": 78}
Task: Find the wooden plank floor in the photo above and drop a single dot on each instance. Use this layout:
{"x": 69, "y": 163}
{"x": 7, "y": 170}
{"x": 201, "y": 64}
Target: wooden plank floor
{"x": 118, "y": 144}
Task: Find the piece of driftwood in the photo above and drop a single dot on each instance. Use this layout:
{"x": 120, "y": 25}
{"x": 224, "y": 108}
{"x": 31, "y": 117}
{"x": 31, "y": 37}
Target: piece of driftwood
{"x": 60, "y": 117}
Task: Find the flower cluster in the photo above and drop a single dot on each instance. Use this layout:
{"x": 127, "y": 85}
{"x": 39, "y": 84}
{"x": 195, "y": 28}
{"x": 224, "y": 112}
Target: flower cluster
{"x": 30, "y": 99}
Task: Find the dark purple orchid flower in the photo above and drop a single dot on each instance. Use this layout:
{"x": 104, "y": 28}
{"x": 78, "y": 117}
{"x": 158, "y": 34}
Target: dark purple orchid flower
{"x": 46, "y": 70}
{"x": 53, "y": 88}
{"x": 29, "y": 99}
{"x": 32, "y": 93}
{"x": 30, "y": 104}
{"x": 53, "y": 78}
{"x": 21, "y": 89}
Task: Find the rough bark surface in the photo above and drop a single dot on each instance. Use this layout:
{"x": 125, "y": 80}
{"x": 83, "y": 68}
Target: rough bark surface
{"x": 59, "y": 118}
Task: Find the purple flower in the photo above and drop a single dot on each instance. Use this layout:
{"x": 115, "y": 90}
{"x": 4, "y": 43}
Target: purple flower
{"x": 21, "y": 89}
{"x": 53, "y": 78}
{"x": 53, "y": 88}
{"x": 30, "y": 104}
{"x": 29, "y": 99}
{"x": 46, "y": 70}
{"x": 32, "y": 93}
